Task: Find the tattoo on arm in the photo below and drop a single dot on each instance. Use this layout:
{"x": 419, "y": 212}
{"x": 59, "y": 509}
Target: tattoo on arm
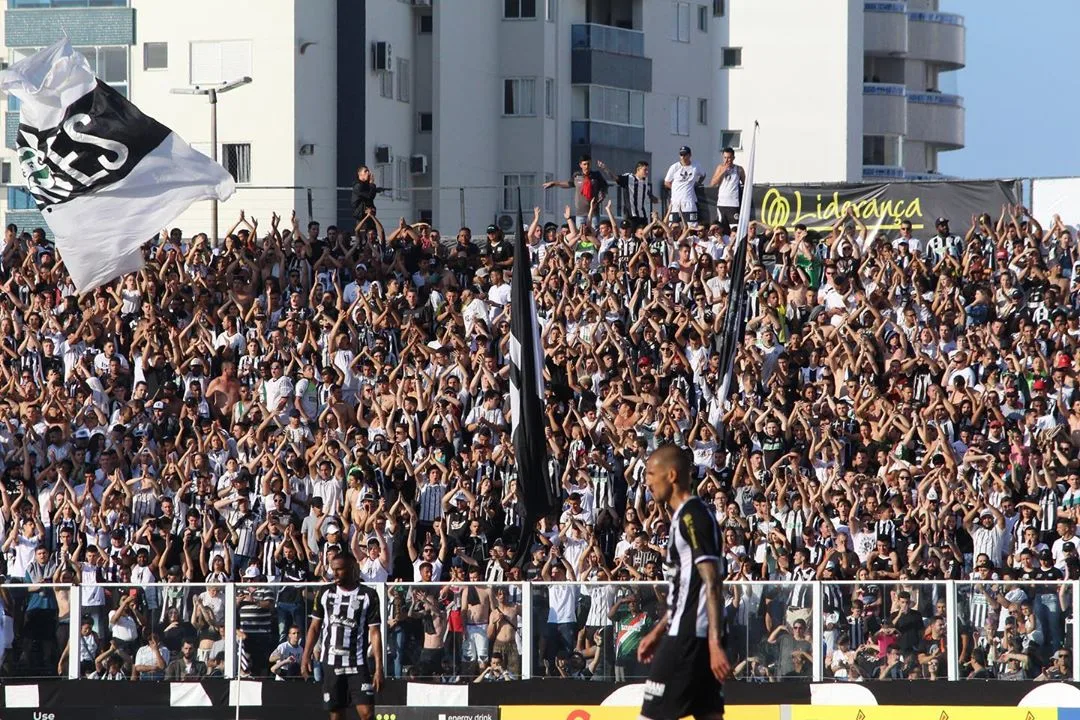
{"x": 714, "y": 598}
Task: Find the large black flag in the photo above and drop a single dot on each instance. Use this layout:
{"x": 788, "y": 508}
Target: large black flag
{"x": 527, "y": 394}
{"x": 735, "y": 316}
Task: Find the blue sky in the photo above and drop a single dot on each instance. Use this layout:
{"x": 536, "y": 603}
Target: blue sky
{"x": 1021, "y": 88}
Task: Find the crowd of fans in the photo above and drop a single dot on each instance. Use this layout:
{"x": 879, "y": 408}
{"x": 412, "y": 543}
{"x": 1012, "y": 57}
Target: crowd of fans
{"x": 903, "y": 409}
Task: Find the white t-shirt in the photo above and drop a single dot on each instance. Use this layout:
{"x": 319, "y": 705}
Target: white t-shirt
{"x": 683, "y": 179}
{"x": 727, "y": 190}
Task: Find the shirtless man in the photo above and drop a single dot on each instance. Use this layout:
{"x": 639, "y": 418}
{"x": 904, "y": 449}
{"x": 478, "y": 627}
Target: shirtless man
{"x": 477, "y": 608}
{"x": 223, "y": 391}
{"x": 427, "y": 609}
{"x": 502, "y": 629}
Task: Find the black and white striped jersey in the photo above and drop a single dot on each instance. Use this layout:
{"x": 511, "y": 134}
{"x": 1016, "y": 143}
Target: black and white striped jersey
{"x": 346, "y": 616}
{"x": 694, "y": 539}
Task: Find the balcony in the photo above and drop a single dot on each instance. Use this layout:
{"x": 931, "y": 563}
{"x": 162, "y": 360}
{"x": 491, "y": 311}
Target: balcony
{"x": 885, "y": 28}
{"x": 936, "y": 118}
{"x": 591, "y": 132}
{"x": 884, "y": 109}
{"x": 882, "y": 172}
{"x": 605, "y": 55}
{"x": 937, "y": 37}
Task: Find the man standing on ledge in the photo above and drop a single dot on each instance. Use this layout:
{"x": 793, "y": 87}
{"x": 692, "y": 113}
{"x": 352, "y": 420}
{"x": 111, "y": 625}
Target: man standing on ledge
{"x": 345, "y": 623}
{"x": 686, "y": 648}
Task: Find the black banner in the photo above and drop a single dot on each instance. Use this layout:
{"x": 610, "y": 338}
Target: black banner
{"x": 881, "y": 206}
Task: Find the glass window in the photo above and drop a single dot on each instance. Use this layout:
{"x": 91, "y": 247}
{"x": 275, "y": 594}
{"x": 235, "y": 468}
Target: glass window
{"x": 236, "y": 158}
{"x": 519, "y": 96}
{"x": 511, "y": 183}
{"x": 731, "y": 139}
{"x": 112, "y": 64}
{"x": 703, "y": 111}
{"x": 680, "y": 115}
{"x": 680, "y": 28}
{"x": 519, "y": 9}
{"x": 549, "y": 97}
{"x": 404, "y": 80}
{"x": 20, "y": 199}
{"x": 703, "y": 18}
{"x": 731, "y": 57}
{"x": 425, "y": 24}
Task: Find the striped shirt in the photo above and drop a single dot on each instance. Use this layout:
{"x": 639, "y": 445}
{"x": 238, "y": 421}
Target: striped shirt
{"x": 694, "y": 538}
{"x": 346, "y": 616}
{"x": 637, "y": 195}
{"x": 429, "y": 502}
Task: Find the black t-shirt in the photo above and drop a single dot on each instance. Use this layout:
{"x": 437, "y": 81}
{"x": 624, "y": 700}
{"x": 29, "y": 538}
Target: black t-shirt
{"x": 909, "y": 625}
{"x": 501, "y": 251}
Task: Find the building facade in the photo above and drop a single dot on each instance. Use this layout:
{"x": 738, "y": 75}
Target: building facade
{"x": 456, "y": 104}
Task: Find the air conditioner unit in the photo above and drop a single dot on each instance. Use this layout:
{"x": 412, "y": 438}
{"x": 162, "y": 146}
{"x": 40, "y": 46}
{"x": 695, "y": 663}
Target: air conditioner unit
{"x": 382, "y": 154}
{"x": 421, "y": 3}
{"x": 718, "y": 8}
{"x": 418, "y": 164}
{"x": 505, "y": 222}
{"x": 382, "y": 57}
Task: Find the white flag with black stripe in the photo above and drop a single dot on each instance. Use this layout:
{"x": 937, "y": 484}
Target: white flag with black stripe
{"x": 735, "y": 315}
{"x": 105, "y": 176}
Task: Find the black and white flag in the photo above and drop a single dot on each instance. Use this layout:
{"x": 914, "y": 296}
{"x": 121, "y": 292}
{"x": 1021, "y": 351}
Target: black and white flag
{"x": 735, "y": 315}
{"x": 105, "y": 176}
{"x": 527, "y": 418}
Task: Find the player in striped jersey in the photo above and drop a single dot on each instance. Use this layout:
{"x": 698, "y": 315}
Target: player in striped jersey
{"x": 686, "y": 648}
{"x": 345, "y": 624}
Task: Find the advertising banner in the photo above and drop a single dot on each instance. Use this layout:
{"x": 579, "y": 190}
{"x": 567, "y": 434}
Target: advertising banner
{"x": 616, "y": 712}
{"x": 919, "y": 712}
{"x": 1060, "y": 196}
{"x": 881, "y": 206}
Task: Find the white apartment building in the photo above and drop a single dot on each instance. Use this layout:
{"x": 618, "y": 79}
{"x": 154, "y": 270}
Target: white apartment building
{"x": 457, "y": 103}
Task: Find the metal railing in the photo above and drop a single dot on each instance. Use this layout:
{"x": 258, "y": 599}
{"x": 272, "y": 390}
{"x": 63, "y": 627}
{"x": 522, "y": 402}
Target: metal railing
{"x": 591, "y": 36}
{"x": 778, "y": 630}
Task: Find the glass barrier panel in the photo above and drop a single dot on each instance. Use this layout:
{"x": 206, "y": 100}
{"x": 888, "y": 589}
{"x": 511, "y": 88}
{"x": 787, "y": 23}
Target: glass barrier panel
{"x": 1015, "y": 630}
{"x": 33, "y": 630}
{"x": 885, "y": 630}
{"x": 271, "y": 628}
{"x": 770, "y": 630}
{"x": 450, "y": 632}
{"x": 592, "y": 629}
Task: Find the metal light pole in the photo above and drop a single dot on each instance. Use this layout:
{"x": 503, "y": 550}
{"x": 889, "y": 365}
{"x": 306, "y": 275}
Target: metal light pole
{"x": 212, "y": 94}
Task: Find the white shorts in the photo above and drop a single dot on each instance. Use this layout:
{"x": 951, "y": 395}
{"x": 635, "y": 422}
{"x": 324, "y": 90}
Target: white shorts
{"x": 683, "y": 206}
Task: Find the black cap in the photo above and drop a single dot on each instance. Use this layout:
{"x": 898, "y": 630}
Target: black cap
{"x": 492, "y": 228}
{"x": 626, "y": 224}
{"x": 1046, "y": 555}
{"x": 685, "y": 150}
{"x": 941, "y": 221}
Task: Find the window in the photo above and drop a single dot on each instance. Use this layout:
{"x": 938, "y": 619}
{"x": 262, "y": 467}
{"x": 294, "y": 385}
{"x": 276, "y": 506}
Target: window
{"x": 384, "y": 175}
{"x": 703, "y": 111}
{"x": 5, "y": 173}
{"x": 731, "y": 57}
{"x": 155, "y": 56}
{"x": 424, "y": 122}
{"x": 218, "y": 61}
{"x": 680, "y": 115}
{"x": 20, "y": 199}
{"x": 236, "y": 158}
{"x": 718, "y": 8}
{"x": 511, "y": 183}
{"x": 550, "y": 9}
{"x": 731, "y": 139}
{"x": 703, "y": 18}
{"x": 425, "y": 24}
{"x": 606, "y": 104}
{"x": 519, "y": 96}
{"x": 404, "y": 80}
{"x": 680, "y": 27}
{"x": 110, "y": 64}
{"x": 549, "y": 97}
{"x": 519, "y": 9}
{"x": 386, "y": 84}
{"x": 401, "y": 187}
{"x": 881, "y": 150}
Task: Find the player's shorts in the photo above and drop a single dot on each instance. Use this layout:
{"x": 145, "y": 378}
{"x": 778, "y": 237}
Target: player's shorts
{"x": 680, "y": 681}
{"x": 728, "y": 214}
{"x": 342, "y": 691}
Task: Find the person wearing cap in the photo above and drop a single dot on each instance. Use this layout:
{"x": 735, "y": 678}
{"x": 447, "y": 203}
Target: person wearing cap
{"x": 944, "y": 243}
{"x": 988, "y": 532}
{"x": 682, "y": 180}
{"x": 590, "y": 191}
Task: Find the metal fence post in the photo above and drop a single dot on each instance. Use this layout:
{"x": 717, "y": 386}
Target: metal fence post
{"x": 461, "y": 202}
{"x": 230, "y": 632}
{"x": 818, "y": 629}
{"x": 952, "y": 632}
{"x": 74, "y": 625}
{"x": 1075, "y": 630}
{"x": 526, "y": 625}
{"x": 311, "y": 207}
{"x": 380, "y": 590}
